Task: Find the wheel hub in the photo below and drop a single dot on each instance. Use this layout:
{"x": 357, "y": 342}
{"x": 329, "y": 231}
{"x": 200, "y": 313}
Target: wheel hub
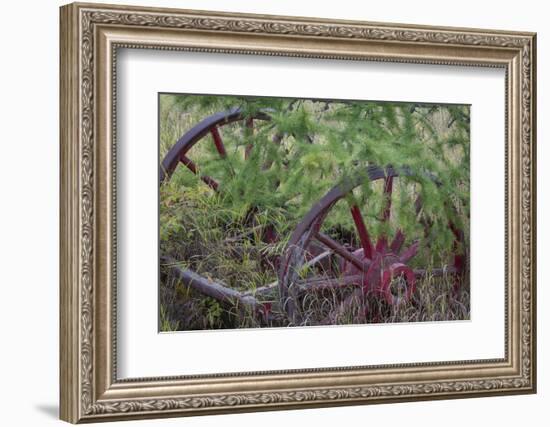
{"x": 383, "y": 270}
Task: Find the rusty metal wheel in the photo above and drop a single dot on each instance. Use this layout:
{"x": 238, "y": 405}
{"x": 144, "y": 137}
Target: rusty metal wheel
{"x": 367, "y": 267}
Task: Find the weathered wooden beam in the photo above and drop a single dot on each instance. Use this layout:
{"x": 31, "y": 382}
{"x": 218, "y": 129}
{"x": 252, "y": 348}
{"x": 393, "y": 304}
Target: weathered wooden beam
{"x": 211, "y": 288}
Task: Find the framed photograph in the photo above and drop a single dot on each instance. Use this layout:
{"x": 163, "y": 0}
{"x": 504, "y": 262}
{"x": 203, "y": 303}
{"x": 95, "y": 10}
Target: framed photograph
{"x": 267, "y": 212}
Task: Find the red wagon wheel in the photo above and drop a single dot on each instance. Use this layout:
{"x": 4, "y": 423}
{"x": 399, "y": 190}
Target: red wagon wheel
{"x": 212, "y": 125}
{"x": 370, "y": 267}
{"x": 209, "y": 126}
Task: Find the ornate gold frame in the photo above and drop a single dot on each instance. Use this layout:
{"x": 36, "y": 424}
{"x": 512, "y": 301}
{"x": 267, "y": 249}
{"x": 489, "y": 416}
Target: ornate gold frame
{"x": 90, "y": 35}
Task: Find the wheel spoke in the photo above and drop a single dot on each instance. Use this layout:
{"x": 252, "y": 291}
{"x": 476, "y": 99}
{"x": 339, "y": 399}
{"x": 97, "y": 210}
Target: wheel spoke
{"x": 218, "y": 141}
{"x": 397, "y": 242}
{"x": 381, "y": 244}
{"x": 317, "y": 259}
{"x": 193, "y": 168}
{"x": 388, "y": 191}
{"x": 342, "y": 251}
{"x": 409, "y": 253}
{"x": 362, "y": 230}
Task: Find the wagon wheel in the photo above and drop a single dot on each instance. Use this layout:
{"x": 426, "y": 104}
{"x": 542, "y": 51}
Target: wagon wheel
{"x": 209, "y": 126}
{"x": 179, "y": 153}
{"x": 368, "y": 269}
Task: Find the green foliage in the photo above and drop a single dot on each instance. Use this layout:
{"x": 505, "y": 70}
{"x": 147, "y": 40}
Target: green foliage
{"x": 323, "y": 143}
{"x": 213, "y": 312}
{"x": 166, "y": 324}
{"x": 305, "y": 149}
